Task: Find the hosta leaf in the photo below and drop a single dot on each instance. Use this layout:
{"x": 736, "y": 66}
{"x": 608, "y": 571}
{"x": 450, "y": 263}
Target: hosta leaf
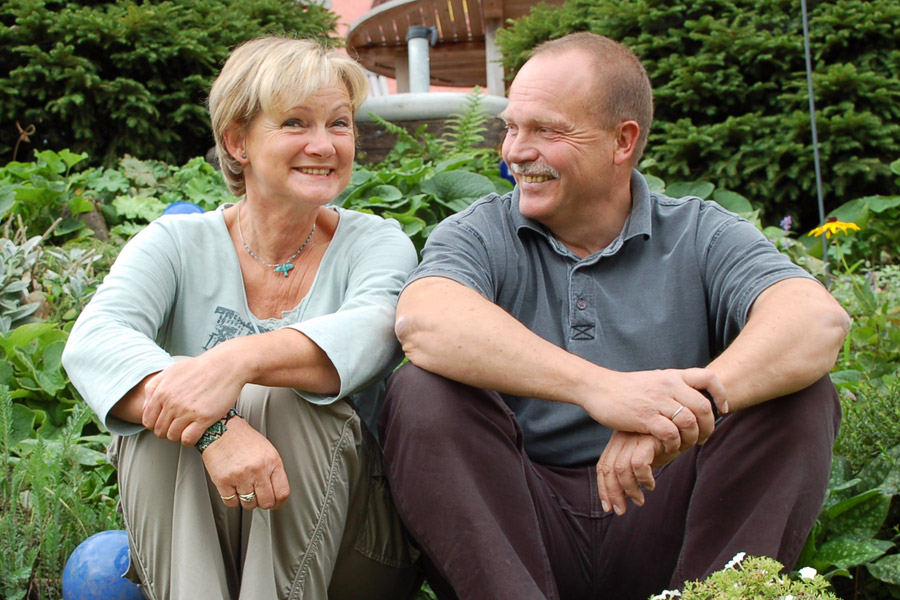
{"x": 458, "y": 185}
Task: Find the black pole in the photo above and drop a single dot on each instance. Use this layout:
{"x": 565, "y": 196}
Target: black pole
{"x": 815, "y": 138}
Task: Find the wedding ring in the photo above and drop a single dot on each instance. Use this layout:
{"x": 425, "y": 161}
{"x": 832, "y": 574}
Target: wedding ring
{"x": 247, "y": 497}
{"x": 227, "y": 498}
{"x": 675, "y": 414}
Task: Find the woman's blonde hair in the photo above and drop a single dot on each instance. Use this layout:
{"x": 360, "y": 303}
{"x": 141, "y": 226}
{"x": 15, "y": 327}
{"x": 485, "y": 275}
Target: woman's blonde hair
{"x": 271, "y": 74}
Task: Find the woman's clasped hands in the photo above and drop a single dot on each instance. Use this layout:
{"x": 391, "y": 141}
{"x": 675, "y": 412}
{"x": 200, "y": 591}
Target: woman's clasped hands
{"x": 186, "y": 398}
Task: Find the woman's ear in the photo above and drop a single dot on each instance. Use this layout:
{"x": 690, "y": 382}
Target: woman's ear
{"x": 234, "y": 142}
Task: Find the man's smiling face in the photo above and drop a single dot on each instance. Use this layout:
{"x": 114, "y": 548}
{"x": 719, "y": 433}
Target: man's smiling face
{"x": 559, "y": 154}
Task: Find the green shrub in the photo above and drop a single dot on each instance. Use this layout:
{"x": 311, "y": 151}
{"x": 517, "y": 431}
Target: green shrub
{"x": 730, "y": 91}
{"x": 54, "y": 492}
{"x": 151, "y": 185}
{"x": 127, "y": 77}
{"x": 855, "y": 530}
{"x": 50, "y": 196}
{"x": 45, "y": 195}
{"x": 879, "y": 216}
{"x": 16, "y": 264}
{"x": 756, "y": 577}
{"x": 32, "y": 369}
{"x": 871, "y": 424}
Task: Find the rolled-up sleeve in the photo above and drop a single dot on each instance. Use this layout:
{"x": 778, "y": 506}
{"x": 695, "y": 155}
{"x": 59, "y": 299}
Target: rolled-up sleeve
{"x": 112, "y": 345}
{"x": 358, "y": 336}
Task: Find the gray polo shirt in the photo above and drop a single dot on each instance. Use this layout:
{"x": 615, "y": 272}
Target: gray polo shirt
{"x": 671, "y": 291}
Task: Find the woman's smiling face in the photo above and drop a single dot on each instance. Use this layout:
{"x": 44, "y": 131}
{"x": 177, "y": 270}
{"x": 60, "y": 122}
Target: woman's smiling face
{"x": 303, "y": 153}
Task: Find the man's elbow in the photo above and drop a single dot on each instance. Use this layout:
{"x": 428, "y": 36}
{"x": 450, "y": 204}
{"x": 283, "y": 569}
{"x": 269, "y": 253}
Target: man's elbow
{"x": 409, "y": 331}
{"x": 421, "y": 340}
{"x": 835, "y": 327}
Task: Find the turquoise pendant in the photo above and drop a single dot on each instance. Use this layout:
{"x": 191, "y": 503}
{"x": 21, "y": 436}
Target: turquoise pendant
{"x": 284, "y": 268}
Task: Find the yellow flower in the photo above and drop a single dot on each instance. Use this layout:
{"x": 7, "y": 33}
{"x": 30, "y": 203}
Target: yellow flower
{"x": 833, "y": 226}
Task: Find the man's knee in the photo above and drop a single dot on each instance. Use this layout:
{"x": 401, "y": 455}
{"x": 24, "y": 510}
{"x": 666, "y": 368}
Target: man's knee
{"x": 809, "y": 417}
{"x": 792, "y": 435}
{"x": 419, "y": 400}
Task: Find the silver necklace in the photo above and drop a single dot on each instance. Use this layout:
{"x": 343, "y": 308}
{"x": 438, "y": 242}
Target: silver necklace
{"x": 283, "y": 268}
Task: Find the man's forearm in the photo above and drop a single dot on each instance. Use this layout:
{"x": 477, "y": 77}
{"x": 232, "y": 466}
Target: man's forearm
{"x": 451, "y": 330}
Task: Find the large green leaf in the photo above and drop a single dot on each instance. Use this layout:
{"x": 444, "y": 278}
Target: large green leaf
{"x": 733, "y": 201}
{"x": 854, "y": 211}
{"x": 7, "y": 198}
{"x": 879, "y": 204}
{"x": 137, "y": 207}
{"x": 845, "y": 376}
{"x": 386, "y": 195}
{"x": 848, "y": 552}
{"x": 24, "y": 335}
{"x": 458, "y": 185}
{"x": 6, "y": 373}
{"x": 680, "y": 189}
{"x": 67, "y": 226}
{"x": 107, "y": 180}
{"x": 655, "y": 183}
{"x": 882, "y": 472}
{"x": 24, "y": 420}
{"x": 886, "y": 569}
{"x": 80, "y": 204}
{"x": 70, "y": 158}
{"x": 860, "y": 516}
{"x": 411, "y": 224}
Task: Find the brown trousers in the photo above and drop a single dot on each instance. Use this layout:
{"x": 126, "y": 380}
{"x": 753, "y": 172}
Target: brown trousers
{"x": 494, "y": 525}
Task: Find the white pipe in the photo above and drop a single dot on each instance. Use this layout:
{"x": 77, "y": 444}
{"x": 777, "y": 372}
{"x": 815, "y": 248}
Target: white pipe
{"x": 417, "y": 41}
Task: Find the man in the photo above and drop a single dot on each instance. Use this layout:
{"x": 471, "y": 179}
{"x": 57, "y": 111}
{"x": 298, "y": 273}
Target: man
{"x": 562, "y": 338}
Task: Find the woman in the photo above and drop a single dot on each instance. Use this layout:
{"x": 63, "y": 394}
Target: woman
{"x": 235, "y": 351}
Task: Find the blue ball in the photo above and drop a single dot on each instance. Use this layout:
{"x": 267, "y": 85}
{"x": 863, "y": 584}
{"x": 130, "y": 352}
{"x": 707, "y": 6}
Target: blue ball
{"x": 182, "y": 208}
{"x": 94, "y": 570}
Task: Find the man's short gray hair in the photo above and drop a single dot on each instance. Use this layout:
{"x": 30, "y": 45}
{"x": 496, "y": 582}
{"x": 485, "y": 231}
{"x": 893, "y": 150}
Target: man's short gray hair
{"x": 623, "y": 90}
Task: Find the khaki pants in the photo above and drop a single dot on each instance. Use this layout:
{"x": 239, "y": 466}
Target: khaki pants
{"x": 338, "y": 536}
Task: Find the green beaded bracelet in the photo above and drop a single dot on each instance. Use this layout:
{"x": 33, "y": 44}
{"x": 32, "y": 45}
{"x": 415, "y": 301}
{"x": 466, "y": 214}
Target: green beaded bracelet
{"x": 215, "y": 430}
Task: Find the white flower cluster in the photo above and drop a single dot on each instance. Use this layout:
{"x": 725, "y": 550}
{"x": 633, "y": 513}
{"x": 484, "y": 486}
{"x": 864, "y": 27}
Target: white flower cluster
{"x": 667, "y": 594}
{"x": 808, "y": 573}
{"x": 734, "y": 562}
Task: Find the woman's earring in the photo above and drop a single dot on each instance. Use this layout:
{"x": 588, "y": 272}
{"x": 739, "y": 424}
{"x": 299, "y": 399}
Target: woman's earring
{"x": 244, "y": 155}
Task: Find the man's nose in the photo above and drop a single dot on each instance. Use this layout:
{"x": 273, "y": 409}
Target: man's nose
{"x": 519, "y": 148}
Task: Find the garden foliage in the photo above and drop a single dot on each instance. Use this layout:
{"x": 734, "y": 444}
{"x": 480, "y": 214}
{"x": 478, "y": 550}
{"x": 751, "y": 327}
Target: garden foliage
{"x": 759, "y": 578}
{"x": 126, "y": 77}
{"x": 57, "y": 489}
{"x": 425, "y": 179}
{"x": 730, "y": 91}
{"x": 54, "y": 492}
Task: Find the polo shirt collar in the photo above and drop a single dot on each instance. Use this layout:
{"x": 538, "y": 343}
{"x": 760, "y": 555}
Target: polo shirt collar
{"x": 637, "y": 224}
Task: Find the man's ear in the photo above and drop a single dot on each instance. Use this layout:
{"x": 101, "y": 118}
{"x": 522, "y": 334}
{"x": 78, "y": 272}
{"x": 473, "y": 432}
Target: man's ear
{"x": 627, "y": 134}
